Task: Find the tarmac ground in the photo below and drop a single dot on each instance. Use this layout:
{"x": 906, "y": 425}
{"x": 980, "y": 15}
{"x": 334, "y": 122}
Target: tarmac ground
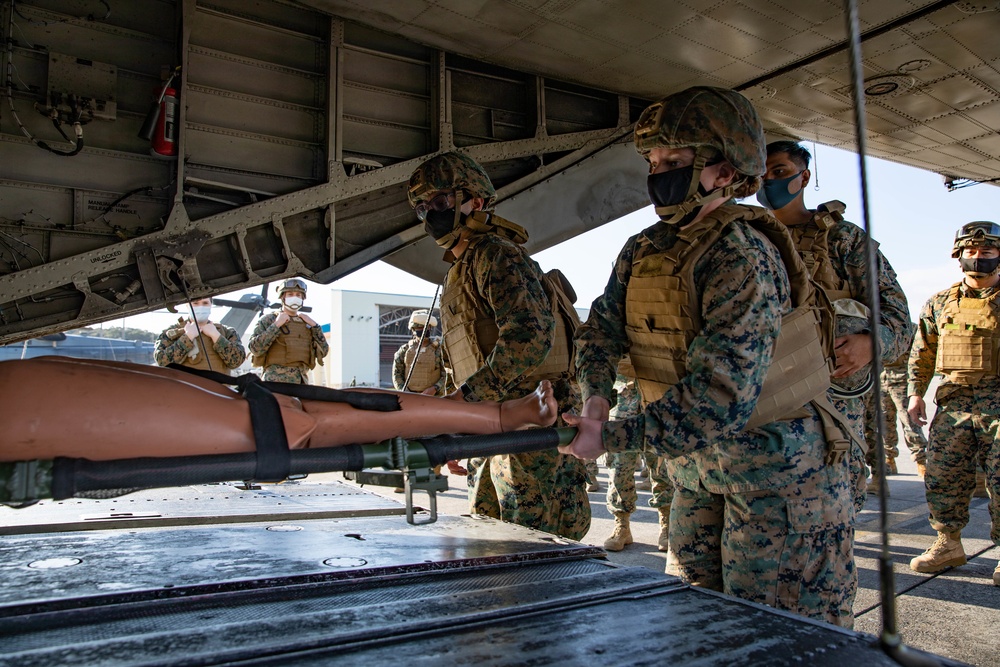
{"x": 954, "y": 613}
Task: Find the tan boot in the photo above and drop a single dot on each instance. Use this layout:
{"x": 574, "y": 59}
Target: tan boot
{"x": 890, "y": 466}
{"x": 663, "y": 542}
{"x": 947, "y": 551}
{"x": 875, "y": 486}
{"x": 621, "y": 536}
{"x": 980, "y": 491}
{"x": 922, "y": 468}
{"x": 996, "y": 575}
{"x": 644, "y": 485}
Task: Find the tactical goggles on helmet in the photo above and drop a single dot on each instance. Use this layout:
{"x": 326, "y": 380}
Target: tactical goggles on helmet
{"x": 981, "y": 232}
{"x": 441, "y": 202}
{"x": 989, "y": 231}
{"x": 292, "y": 285}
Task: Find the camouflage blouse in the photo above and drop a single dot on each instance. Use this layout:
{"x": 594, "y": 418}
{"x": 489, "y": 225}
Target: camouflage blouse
{"x": 173, "y": 348}
{"x": 923, "y": 354}
{"x": 846, "y": 242}
{"x": 508, "y": 284}
{"x": 699, "y": 422}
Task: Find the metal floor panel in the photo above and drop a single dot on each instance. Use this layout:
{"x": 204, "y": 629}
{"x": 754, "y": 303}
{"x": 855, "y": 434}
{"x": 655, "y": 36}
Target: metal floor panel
{"x": 164, "y": 561}
{"x": 580, "y": 612}
{"x": 202, "y": 504}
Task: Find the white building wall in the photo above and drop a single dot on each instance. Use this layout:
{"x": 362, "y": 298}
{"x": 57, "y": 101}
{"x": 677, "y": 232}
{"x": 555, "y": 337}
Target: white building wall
{"x": 354, "y": 336}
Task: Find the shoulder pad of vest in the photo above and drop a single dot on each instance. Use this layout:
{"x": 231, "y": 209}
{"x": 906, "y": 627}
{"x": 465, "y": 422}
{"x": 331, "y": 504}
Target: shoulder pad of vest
{"x": 486, "y": 222}
{"x": 830, "y": 213}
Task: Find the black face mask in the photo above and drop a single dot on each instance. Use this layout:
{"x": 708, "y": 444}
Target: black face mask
{"x": 669, "y": 188}
{"x": 979, "y": 265}
{"x": 440, "y": 223}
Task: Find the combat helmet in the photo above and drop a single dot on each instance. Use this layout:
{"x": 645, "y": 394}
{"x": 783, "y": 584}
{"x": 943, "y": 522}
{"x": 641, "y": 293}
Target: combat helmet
{"x": 852, "y": 321}
{"x": 716, "y": 123}
{"x": 422, "y": 318}
{"x": 292, "y": 284}
{"x": 460, "y": 177}
{"x": 450, "y": 171}
{"x": 980, "y": 233}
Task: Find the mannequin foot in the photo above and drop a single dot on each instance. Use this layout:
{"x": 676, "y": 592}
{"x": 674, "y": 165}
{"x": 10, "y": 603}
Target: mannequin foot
{"x": 538, "y": 408}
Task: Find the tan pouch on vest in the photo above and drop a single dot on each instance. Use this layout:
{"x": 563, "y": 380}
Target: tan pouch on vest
{"x": 799, "y": 370}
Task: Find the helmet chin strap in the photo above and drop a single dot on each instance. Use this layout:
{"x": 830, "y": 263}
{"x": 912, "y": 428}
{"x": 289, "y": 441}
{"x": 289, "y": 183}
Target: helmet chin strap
{"x": 687, "y": 210}
{"x": 450, "y": 240}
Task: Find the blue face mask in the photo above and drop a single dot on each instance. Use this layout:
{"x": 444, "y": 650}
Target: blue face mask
{"x": 775, "y": 195}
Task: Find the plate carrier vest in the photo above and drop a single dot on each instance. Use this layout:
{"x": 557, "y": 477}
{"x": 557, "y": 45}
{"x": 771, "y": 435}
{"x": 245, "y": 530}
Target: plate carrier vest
{"x": 294, "y": 348}
{"x": 426, "y": 371}
{"x": 472, "y": 333}
{"x": 206, "y": 352}
{"x": 969, "y": 338}
{"x": 663, "y": 316}
{"x": 812, "y": 241}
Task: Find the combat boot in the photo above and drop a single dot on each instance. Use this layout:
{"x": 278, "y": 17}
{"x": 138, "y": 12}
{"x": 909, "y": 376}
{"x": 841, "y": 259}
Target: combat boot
{"x": 947, "y": 551}
{"x": 663, "y": 542}
{"x": 621, "y": 536}
{"x": 593, "y": 486}
{"x": 922, "y": 468}
{"x": 980, "y": 491}
{"x": 890, "y": 466}
{"x": 644, "y": 485}
{"x": 996, "y": 575}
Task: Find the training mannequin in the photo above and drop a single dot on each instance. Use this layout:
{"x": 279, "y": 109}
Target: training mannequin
{"x": 103, "y": 410}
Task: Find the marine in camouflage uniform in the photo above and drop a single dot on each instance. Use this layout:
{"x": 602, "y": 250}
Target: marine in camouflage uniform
{"x": 426, "y": 363}
{"x": 757, "y": 511}
{"x": 834, "y": 251}
{"x": 175, "y": 344}
{"x": 289, "y": 347}
{"x": 502, "y": 335}
{"x": 958, "y": 335}
{"x": 894, "y": 408}
{"x": 622, "y": 497}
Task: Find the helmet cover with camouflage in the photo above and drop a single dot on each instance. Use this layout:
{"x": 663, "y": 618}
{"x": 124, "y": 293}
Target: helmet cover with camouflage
{"x": 292, "y": 285}
{"x": 422, "y": 318}
{"x": 437, "y": 189}
{"x": 450, "y": 171}
{"x": 861, "y": 381}
{"x": 716, "y": 123}
{"x": 978, "y": 234}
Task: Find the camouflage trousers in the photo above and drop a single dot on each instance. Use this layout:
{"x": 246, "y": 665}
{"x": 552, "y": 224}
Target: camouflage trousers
{"x": 894, "y": 404}
{"x": 853, "y": 410}
{"x": 779, "y": 547}
{"x": 542, "y": 490}
{"x": 622, "y": 496}
{"x": 965, "y": 432}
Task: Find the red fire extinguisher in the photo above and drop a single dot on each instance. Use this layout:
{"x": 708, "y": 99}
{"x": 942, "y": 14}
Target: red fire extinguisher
{"x": 160, "y": 126}
{"x": 164, "y": 140}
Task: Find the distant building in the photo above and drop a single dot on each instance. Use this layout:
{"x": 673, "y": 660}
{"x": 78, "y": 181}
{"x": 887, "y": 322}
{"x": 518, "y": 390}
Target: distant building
{"x": 80, "y": 347}
{"x": 365, "y": 330}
